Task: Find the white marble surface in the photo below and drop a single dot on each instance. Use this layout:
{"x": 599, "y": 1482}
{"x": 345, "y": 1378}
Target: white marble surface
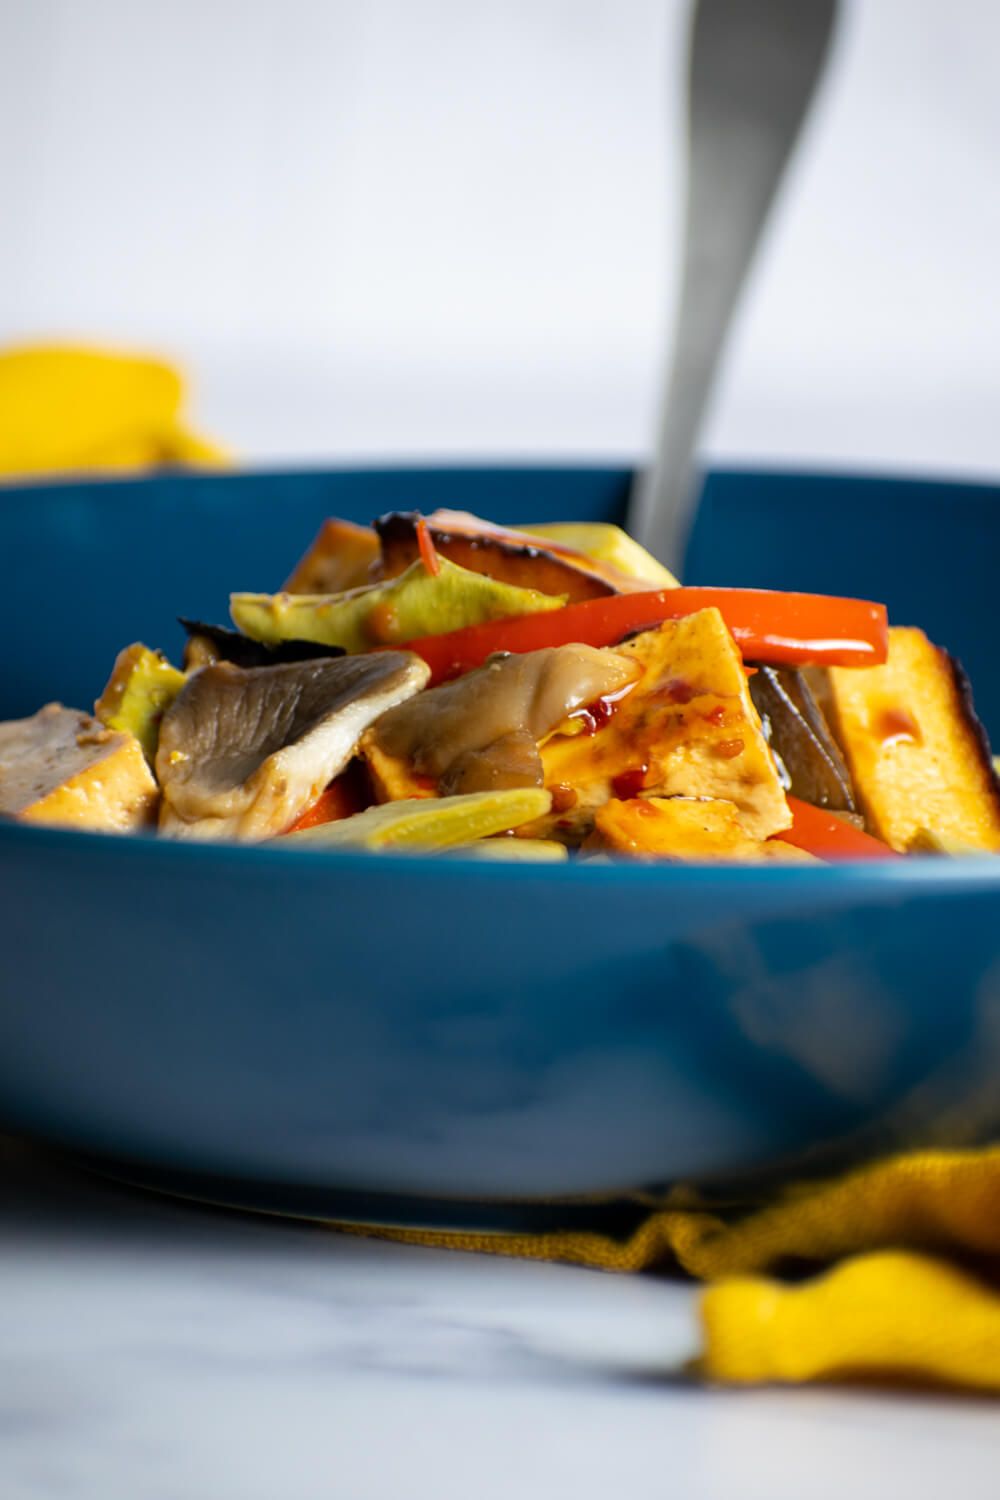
{"x": 154, "y": 1349}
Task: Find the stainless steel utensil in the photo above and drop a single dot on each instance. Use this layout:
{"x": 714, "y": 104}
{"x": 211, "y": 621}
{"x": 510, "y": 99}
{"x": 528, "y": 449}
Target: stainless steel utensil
{"x": 753, "y": 69}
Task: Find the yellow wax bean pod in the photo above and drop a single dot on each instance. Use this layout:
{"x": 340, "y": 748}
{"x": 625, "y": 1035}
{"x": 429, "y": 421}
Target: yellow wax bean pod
{"x": 138, "y": 693}
{"x": 383, "y": 614}
{"x": 518, "y": 851}
{"x": 608, "y": 544}
{"x": 428, "y": 822}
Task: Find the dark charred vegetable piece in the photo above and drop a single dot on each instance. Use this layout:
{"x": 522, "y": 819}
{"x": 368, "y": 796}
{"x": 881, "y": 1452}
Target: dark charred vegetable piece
{"x": 800, "y": 739}
{"x": 229, "y": 645}
{"x": 507, "y": 555}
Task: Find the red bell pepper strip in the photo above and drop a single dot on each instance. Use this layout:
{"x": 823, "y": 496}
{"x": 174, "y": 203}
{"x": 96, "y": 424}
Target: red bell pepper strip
{"x": 767, "y": 626}
{"x": 347, "y": 795}
{"x": 829, "y": 837}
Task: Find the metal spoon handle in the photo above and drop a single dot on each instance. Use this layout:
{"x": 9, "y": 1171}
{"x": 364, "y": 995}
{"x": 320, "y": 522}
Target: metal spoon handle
{"x": 753, "y": 68}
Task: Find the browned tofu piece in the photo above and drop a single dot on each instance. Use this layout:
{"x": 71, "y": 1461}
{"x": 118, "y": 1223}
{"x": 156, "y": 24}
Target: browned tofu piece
{"x": 688, "y": 728}
{"x": 916, "y": 751}
{"x": 62, "y": 766}
{"x": 338, "y": 559}
{"x": 681, "y": 828}
{"x": 392, "y": 777}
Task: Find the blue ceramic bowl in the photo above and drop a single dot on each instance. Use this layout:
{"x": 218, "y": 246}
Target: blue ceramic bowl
{"x": 394, "y": 1037}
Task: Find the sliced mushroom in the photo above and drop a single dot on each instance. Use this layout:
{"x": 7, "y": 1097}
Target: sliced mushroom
{"x": 481, "y": 733}
{"x": 800, "y": 739}
{"x": 243, "y": 752}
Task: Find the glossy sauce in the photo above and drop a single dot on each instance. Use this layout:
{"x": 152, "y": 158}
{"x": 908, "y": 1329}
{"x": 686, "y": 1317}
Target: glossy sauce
{"x": 383, "y": 624}
{"x": 646, "y": 809}
{"x": 677, "y": 690}
{"x": 594, "y": 716}
{"x": 629, "y": 784}
{"x": 564, "y": 797}
{"x": 894, "y": 726}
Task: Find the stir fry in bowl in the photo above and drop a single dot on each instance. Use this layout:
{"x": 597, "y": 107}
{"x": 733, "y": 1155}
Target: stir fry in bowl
{"x": 540, "y": 693}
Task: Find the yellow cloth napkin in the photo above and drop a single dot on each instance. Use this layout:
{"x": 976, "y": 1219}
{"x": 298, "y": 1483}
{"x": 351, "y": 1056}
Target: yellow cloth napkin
{"x": 68, "y": 409}
{"x": 913, "y": 1292}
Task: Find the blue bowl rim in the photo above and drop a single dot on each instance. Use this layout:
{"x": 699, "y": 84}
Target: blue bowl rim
{"x": 974, "y": 873}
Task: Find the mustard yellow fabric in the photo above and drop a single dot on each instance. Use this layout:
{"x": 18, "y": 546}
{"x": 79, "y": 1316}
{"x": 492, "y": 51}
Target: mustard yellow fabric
{"x": 72, "y": 409}
{"x": 913, "y": 1293}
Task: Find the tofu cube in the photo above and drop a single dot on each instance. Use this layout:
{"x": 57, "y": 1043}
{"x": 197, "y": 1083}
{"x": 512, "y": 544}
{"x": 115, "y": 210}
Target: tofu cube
{"x": 688, "y": 728}
{"x": 61, "y": 766}
{"x": 682, "y": 828}
{"x": 916, "y": 751}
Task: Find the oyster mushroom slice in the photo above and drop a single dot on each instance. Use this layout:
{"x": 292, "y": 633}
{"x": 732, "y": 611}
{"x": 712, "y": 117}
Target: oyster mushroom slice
{"x": 244, "y": 751}
{"x": 481, "y": 732}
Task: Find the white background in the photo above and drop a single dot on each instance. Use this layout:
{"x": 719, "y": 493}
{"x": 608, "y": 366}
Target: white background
{"x": 449, "y": 227}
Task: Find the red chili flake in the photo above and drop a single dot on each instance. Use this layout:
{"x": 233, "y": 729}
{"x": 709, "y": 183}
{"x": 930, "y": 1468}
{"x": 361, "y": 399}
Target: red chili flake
{"x": 679, "y": 690}
{"x": 428, "y": 555}
{"x": 729, "y": 749}
{"x": 628, "y": 784}
{"x": 595, "y": 715}
{"x": 716, "y": 716}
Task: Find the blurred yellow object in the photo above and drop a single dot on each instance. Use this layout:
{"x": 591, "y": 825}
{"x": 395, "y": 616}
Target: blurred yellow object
{"x": 894, "y": 1305}
{"x": 885, "y": 1314}
{"x": 67, "y": 409}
